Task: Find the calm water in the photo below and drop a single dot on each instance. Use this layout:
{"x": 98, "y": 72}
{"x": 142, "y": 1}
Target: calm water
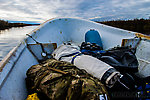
{"x": 11, "y": 38}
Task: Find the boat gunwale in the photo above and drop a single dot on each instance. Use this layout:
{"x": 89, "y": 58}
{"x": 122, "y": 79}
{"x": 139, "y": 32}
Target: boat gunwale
{"x": 8, "y": 57}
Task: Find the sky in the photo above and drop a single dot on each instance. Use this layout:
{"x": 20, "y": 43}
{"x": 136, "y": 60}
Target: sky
{"x": 42, "y": 10}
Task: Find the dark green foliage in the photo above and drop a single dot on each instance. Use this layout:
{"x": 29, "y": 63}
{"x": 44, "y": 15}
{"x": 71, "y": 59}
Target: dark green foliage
{"x": 136, "y": 25}
{"x": 7, "y": 25}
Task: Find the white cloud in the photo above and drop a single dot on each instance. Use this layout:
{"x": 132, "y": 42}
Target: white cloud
{"x": 41, "y": 10}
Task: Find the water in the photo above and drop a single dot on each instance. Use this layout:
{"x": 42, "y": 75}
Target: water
{"x": 11, "y": 38}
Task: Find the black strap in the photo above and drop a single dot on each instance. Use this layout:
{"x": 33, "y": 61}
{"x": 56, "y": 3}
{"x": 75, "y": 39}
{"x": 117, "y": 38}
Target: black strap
{"x": 69, "y": 55}
{"x": 37, "y": 42}
{"x": 75, "y": 57}
{"x": 42, "y": 47}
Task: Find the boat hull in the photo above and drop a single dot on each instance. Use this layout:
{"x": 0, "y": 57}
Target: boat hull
{"x": 14, "y": 66}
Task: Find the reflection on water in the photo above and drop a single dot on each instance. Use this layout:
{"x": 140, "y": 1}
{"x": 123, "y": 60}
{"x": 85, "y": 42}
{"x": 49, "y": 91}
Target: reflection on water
{"x": 11, "y": 38}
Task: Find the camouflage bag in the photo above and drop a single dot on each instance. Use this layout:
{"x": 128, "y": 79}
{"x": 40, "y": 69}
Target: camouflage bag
{"x": 59, "y": 80}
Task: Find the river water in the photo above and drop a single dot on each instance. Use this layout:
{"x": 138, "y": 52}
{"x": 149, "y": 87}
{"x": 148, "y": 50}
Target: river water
{"x": 11, "y": 38}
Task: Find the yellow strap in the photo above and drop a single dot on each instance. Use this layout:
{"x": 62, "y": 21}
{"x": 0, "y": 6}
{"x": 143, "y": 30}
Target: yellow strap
{"x": 33, "y": 97}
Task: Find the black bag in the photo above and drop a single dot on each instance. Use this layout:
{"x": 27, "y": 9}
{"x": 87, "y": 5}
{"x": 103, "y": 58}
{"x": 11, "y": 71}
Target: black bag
{"x": 122, "y": 59}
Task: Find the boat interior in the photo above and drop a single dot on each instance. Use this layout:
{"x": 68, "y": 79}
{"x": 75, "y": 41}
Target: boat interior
{"x": 52, "y": 34}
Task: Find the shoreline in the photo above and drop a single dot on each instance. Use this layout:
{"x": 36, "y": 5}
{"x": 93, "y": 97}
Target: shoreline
{"x": 135, "y": 25}
{"x": 6, "y": 25}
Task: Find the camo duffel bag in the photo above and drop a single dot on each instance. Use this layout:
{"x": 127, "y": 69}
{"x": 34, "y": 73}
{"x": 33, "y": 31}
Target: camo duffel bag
{"x": 59, "y": 80}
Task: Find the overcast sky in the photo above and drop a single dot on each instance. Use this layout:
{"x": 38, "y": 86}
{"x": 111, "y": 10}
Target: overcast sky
{"x": 41, "y": 10}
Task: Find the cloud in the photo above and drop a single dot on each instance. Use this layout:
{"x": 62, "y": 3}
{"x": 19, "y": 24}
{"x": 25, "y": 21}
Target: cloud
{"x": 41, "y": 10}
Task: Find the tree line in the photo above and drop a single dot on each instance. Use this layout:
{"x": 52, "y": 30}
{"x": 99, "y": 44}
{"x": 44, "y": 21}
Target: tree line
{"x": 136, "y": 25}
{"x": 6, "y": 25}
